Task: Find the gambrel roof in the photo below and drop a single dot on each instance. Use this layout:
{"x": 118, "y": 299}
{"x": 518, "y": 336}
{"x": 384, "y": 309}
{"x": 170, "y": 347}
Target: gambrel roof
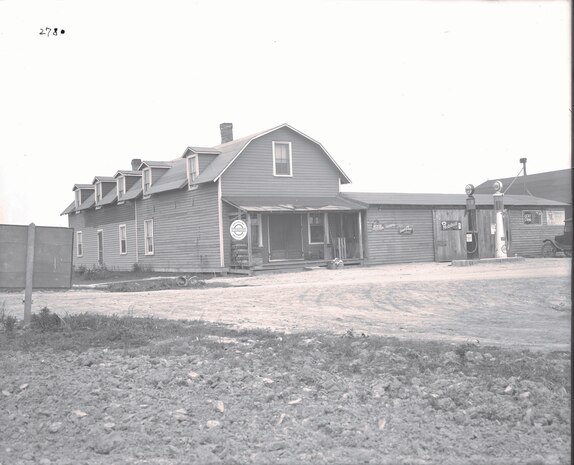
{"x": 231, "y": 150}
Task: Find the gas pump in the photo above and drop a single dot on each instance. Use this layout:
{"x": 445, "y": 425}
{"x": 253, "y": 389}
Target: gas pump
{"x": 472, "y": 232}
{"x": 500, "y": 245}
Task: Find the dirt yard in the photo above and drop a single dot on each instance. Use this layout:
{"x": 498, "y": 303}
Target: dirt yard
{"x": 520, "y": 305}
{"x": 457, "y": 381}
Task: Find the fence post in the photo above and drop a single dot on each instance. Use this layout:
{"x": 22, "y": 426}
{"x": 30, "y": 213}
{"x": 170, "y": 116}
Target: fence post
{"x": 29, "y": 274}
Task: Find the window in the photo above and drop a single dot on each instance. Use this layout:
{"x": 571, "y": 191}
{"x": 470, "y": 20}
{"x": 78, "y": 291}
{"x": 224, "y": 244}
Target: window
{"x": 98, "y": 192}
{"x": 79, "y": 244}
{"x": 555, "y": 218}
{"x": 123, "y": 240}
{"x": 121, "y": 185}
{"x": 282, "y": 165}
{"x": 148, "y": 237}
{"x": 316, "y": 228}
{"x": 192, "y": 170}
{"x": 77, "y": 198}
{"x": 256, "y": 230}
{"x": 146, "y": 179}
{"x": 532, "y": 216}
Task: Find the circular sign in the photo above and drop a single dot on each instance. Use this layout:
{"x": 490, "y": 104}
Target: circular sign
{"x": 238, "y": 230}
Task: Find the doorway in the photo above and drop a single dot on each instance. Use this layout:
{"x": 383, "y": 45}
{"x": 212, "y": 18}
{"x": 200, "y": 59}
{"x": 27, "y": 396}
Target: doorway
{"x": 285, "y": 237}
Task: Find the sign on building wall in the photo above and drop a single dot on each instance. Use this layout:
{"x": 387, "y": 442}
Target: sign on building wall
{"x": 51, "y": 251}
{"x": 401, "y": 228}
{"x": 447, "y": 225}
{"x": 532, "y": 216}
{"x": 555, "y": 217}
{"x": 238, "y": 230}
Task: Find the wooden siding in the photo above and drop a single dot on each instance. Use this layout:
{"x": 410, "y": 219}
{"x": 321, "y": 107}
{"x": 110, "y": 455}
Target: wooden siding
{"x": 186, "y": 230}
{"x": 526, "y": 239}
{"x": 107, "y": 219}
{"x": 252, "y": 171}
{"x": 204, "y": 160}
{"x": 484, "y": 221}
{"x": 449, "y": 244}
{"x": 386, "y": 245}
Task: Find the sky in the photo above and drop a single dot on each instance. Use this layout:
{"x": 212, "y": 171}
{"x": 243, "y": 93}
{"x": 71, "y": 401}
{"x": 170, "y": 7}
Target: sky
{"x": 407, "y": 96}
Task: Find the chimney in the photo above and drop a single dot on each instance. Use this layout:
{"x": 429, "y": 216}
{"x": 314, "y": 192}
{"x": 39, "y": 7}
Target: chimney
{"x": 226, "y": 132}
{"x": 136, "y": 162}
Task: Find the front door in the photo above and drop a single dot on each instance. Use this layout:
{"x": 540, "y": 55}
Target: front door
{"x": 101, "y": 247}
{"x": 449, "y": 228}
{"x": 285, "y": 237}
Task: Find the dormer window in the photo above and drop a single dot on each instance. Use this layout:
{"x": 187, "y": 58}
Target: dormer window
{"x": 146, "y": 179}
{"x": 121, "y": 186}
{"x": 282, "y": 162}
{"x": 77, "y": 198}
{"x": 98, "y": 192}
{"x": 192, "y": 170}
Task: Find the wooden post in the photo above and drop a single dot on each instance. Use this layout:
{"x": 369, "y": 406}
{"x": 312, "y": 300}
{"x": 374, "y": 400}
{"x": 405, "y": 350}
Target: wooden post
{"x": 360, "y": 235}
{"x": 249, "y": 251}
{"x": 29, "y": 274}
{"x": 325, "y": 234}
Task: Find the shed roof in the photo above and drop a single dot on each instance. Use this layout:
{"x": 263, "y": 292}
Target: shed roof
{"x": 88, "y": 203}
{"x": 156, "y": 164}
{"x": 132, "y": 193}
{"x": 395, "y": 198}
{"x": 293, "y": 204}
{"x": 553, "y": 185}
{"x": 174, "y": 178}
{"x": 109, "y": 198}
{"x": 203, "y": 150}
{"x": 69, "y": 209}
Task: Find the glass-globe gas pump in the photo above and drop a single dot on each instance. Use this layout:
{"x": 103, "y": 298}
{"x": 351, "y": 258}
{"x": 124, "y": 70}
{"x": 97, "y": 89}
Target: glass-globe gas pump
{"x": 500, "y": 245}
{"x": 472, "y": 232}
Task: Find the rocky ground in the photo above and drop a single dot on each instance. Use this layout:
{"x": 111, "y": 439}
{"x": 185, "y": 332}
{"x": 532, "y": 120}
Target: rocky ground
{"x": 100, "y": 390}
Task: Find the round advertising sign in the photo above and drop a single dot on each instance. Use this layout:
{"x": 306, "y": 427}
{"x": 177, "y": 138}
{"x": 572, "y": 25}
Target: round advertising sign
{"x": 238, "y": 230}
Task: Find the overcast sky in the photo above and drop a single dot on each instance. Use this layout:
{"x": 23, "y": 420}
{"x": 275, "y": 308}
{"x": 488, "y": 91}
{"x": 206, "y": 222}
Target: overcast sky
{"x": 406, "y": 96}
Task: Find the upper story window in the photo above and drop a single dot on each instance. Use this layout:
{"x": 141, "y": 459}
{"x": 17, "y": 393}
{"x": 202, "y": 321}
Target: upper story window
{"x": 146, "y": 179}
{"x": 121, "y": 186}
{"x": 192, "y": 170}
{"x": 77, "y": 198}
{"x": 98, "y": 192}
{"x": 282, "y": 162}
{"x": 123, "y": 239}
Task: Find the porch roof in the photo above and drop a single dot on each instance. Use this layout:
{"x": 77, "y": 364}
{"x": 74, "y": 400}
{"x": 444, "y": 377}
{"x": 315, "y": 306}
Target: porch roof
{"x": 293, "y": 204}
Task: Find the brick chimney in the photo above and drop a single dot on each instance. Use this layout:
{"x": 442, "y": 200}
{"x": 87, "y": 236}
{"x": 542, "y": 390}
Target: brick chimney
{"x": 226, "y": 132}
{"x": 136, "y": 162}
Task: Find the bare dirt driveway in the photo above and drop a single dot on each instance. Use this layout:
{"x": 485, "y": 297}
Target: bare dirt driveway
{"x": 520, "y": 305}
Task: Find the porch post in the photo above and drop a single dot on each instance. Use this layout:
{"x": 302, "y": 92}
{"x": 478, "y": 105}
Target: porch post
{"x": 249, "y": 251}
{"x": 325, "y": 234}
{"x": 360, "y": 235}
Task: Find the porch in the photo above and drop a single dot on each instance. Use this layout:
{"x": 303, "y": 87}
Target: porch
{"x": 276, "y": 234}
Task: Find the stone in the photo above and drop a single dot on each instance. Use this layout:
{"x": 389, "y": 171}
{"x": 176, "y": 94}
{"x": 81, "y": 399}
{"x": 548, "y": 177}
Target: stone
{"x": 220, "y": 406}
{"x": 55, "y": 427}
{"x": 79, "y": 413}
{"x": 23, "y": 386}
{"x": 382, "y": 422}
{"x": 193, "y": 375}
{"x": 6, "y": 393}
{"x": 267, "y": 380}
{"x": 509, "y": 389}
{"x": 28, "y": 456}
{"x": 105, "y": 444}
{"x": 295, "y": 401}
{"x": 213, "y": 424}
{"x": 524, "y": 395}
{"x": 109, "y": 426}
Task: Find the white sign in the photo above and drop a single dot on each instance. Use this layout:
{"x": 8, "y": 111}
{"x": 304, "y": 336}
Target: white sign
{"x": 238, "y": 230}
{"x": 493, "y": 228}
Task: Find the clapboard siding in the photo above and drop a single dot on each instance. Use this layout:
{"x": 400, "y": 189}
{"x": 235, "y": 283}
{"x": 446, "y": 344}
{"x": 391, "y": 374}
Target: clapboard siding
{"x": 107, "y": 219}
{"x": 388, "y": 246}
{"x": 186, "y": 230}
{"x": 526, "y": 239}
{"x": 252, "y": 172}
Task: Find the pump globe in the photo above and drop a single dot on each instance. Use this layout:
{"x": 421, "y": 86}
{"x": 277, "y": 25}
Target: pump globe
{"x": 497, "y": 186}
{"x": 469, "y": 189}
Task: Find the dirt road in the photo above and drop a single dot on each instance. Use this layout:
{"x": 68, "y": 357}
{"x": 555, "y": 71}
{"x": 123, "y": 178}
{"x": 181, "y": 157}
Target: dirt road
{"x": 521, "y": 305}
